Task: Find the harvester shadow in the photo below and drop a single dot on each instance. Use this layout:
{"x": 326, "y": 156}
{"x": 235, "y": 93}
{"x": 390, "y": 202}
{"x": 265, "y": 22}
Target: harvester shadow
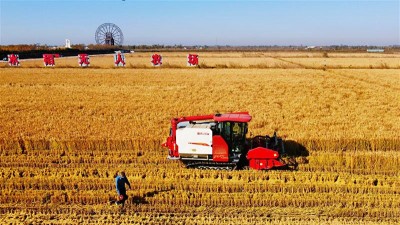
{"x": 295, "y": 149}
{"x": 142, "y": 199}
{"x": 295, "y": 153}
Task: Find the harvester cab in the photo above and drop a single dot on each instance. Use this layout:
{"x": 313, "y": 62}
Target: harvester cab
{"x": 219, "y": 142}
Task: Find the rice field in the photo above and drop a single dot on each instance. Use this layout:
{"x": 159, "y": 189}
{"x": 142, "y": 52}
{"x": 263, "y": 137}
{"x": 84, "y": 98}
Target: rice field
{"x": 65, "y": 131}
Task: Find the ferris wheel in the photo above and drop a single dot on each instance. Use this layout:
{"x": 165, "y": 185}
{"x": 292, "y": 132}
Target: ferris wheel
{"x": 109, "y": 34}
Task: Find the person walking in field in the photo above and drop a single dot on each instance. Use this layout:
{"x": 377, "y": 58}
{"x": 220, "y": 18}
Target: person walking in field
{"x": 120, "y": 182}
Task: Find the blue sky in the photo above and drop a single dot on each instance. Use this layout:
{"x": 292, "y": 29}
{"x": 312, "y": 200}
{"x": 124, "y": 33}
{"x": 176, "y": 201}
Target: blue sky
{"x": 220, "y": 22}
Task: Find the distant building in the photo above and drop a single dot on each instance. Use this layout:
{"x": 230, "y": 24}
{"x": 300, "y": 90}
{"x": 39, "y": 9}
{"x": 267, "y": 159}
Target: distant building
{"x": 310, "y": 47}
{"x": 67, "y": 43}
{"x": 375, "y": 50}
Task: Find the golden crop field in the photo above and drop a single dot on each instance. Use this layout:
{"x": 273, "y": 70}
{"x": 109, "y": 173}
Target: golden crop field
{"x": 65, "y": 131}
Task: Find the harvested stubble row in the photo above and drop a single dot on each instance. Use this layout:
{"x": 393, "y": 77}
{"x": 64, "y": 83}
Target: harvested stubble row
{"x": 376, "y": 162}
{"x": 290, "y": 183}
{"x": 144, "y": 214}
{"x": 262, "y": 216}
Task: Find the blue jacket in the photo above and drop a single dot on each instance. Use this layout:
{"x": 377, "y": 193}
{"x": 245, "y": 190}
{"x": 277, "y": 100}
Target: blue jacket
{"x": 120, "y": 184}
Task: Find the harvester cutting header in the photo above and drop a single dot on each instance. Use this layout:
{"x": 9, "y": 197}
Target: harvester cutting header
{"x": 219, "y": 141}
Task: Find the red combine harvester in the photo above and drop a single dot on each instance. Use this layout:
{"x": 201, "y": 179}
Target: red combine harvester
{"x": 219, "y": 142}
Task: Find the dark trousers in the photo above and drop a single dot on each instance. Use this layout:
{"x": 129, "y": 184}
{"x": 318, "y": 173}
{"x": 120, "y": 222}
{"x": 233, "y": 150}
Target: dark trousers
{"x": 122, "y": 200}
